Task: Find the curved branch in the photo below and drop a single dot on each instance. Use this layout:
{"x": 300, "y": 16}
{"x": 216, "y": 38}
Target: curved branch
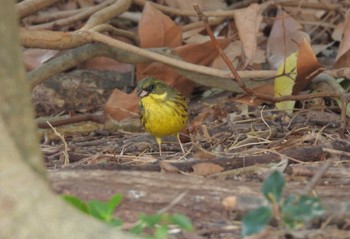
{"x": 82, "y": 15}
{"x": 108, "y": 13}
{"x": 28, "y": 7}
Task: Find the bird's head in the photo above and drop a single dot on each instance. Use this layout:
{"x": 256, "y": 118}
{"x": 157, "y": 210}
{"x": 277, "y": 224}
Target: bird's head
{"x": 151, "y": 85}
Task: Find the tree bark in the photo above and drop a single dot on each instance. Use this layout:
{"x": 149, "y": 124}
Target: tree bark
{"x": 28, "y": 207}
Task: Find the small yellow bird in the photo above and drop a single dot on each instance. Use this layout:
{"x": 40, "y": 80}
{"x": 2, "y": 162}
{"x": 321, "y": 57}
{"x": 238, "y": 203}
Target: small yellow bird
{"x": 163, "y": 111}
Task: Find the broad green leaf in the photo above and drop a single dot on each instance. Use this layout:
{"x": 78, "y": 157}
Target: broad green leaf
{"x": 256, "y": 220}
{"x": 99, "y": 210}
{"x": 284, "y": 82}
{"x": 116, "y": 222}
{"x": 273, "y": 187}
{"x": 76, "y": 202}
{"x": 182, "y": 221}
{"x": 298, "y": 210}
{"x": 138, "y": 228}
{"x": 114, "y": 202}
{"x": 161, "y": 232}
{"x": 151, "y": 220}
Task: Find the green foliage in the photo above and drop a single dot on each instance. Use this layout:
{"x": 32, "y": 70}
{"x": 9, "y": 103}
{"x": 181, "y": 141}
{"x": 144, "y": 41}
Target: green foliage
{"x": 156, "y": 225}
{"x": 291, "y": 213}
{"x": 98, "y": 209}
{"x": 256, "y": 220}
{"x": 297, "y": 210}
{"x": 273, "y": 187}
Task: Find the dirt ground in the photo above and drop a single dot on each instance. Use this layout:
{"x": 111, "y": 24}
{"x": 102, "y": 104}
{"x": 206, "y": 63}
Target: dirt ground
{"x": 230, "y": 148}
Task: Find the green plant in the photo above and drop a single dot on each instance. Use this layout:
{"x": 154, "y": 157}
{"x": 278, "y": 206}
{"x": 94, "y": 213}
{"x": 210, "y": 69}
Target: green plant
{"x": 155, "y": 226}
{"x": 291, "y": 212}
{"x": 158, "y": 224}
{"x": 98, "y": 209}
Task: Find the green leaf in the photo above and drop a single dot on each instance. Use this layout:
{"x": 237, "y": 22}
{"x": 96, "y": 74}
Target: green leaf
{"x": 182, "y": 221}
{"x": 298, "y": 210}
{"x": 256, "y": 220}
{"x": 116, "y": 222}
{"x": 76, "y": 202}
{"x": 273, "y": 187}
{"x": 161, "y": 232}
{"x": 114, "y": 202}
{"x": 99, "y": 210}
{"x": 138, "y": 228}
{"x": 151, "y": 220}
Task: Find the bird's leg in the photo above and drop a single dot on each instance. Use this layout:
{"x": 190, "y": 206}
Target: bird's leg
{"x": 178, "y": 139}
{"x": 159, "y": 141}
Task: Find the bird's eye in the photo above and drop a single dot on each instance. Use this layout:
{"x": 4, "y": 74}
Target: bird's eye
{"x": 150, "y": 88}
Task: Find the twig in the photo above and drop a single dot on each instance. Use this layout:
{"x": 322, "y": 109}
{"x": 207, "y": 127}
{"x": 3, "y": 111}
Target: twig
{"x": 116, "y": 32}
{"x": 105, "y": 14}
{"x": 317, "y": 177}
{"x": 74, "y": 119}
{"x": 65, "y": 152}
{"x": 86, "y": 13}
{"x": 190, "y": 13}
{"x": 176, "y": 200}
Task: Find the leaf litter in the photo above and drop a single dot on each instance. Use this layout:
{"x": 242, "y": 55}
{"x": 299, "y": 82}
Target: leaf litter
{"x": 227, "y": 131}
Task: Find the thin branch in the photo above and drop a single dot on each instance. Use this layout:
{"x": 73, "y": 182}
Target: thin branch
{"x": 28, "y": 7}
{"x": 82, "y": 15}
{"x": 105, "y": 14}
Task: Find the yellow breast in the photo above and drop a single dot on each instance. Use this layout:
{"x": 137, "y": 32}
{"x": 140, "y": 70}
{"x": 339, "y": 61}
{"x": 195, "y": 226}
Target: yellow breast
{"x": 161, "y": 116}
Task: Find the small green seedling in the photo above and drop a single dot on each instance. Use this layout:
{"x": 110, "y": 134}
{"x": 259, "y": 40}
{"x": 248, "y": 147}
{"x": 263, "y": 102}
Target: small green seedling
{"x": 98, "y": 209}
{"x": 155, "y": 226}
{"x": 291, "y": 213}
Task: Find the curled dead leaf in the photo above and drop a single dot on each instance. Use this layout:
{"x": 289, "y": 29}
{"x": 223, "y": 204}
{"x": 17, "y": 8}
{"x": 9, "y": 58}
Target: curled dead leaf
{"x": 205, "y": 169}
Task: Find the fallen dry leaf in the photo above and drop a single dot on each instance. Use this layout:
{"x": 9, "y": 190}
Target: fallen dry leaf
{"x": 307, "y": 67}
{"x": 267, "y": 89}
{"x": 248, "y": 22}
{"x": 34, "y": 58}
{"x": 343, "y": 56}
{"x": 167, "y": 167}
{"x": 105, "y": 63}
{"x": 121, "y": 105}
{"x": 201, "y": 54}
{"x": 285, "y": 36}
{"x": 157, "y": 29}
{"x": 205, "y": 169}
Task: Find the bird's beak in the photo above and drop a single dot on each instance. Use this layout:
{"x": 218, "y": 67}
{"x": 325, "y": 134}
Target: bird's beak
{"x": 141, "y": 93}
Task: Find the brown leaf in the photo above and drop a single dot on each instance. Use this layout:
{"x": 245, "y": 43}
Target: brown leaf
{"x": 201, "y": 54}
{"x": 105, "y": 63}
{"x": 167, "y": 167}
{"x": 203, "y": 4}
{"x": 343, "y": 56}
{"x": 157, "y": 29}
{"x": 230, "y": 203}
{"x": 34, "y": 58}
{"x": 247, "y": 22}
{"x": 307, "y": 67}
{"x": 205, "y": 169}
{"x": 267, "y": 89}
{"x": 121, "y": 105}
{"x": 277, "y": 49}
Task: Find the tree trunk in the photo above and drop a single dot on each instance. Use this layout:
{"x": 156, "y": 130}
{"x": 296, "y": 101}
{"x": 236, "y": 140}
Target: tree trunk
{"x": 28, "y": 208}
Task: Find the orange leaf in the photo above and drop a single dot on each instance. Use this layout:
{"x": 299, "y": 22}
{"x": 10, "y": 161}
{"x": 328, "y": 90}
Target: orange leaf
{"x": 201, "y": 54}
{"x": 121, "y": 105}
{"x": 307, "y": 67}
{"x": 157, "y": 29}
{"x": 205, "y": 169}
